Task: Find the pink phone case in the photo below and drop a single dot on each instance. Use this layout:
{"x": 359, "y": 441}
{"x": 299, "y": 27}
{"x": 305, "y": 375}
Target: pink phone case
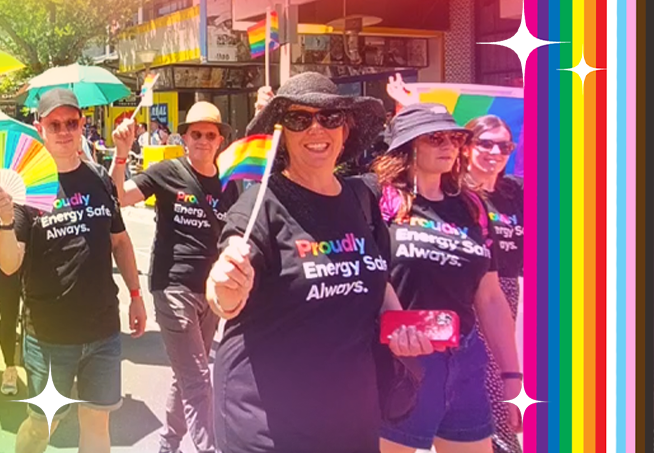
{"x": 440, "y": 326}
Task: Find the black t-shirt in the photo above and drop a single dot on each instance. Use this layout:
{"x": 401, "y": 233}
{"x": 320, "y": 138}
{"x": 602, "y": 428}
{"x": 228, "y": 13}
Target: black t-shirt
{"x": 506, "y": 213}
{"x": 439, "y": 256}
{"x": 70, "y": 294}
{"x": 294, "y": 372}
{"x": 185, "y": 244}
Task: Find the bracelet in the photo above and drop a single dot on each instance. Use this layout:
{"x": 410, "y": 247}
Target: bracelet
{"x": 134, "y": 293}
{"x": 7, "y": 227}
{"x": 511, "y": 375}
{"x": 120, "y": 160}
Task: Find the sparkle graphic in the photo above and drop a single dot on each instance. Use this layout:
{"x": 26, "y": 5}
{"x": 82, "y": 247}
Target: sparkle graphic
{"x": 49, "y": 400}
{"x": 582, "y": 69}
{"x": 522, "y": 401}
{"x": 523, "y": 43}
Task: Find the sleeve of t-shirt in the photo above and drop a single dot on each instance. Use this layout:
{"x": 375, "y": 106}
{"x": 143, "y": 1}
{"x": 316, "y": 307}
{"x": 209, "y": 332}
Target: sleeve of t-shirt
{"x": 371, "y": 180}
{"x": 147, "y": 181}
{"x": 117, "y": 223}
{"x": 381, "y": 231}
{"x": 22, "y": 224}
{"x": 236, "y": 224}
{"x": 495, "y": 249}
{"x": 230, "y": 195}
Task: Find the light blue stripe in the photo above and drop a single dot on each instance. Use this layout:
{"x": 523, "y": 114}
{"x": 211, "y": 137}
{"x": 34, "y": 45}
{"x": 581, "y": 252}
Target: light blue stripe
{"x": 621, "y": 230}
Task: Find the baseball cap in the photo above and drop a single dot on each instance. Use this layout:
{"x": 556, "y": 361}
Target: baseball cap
{"x": 55, "y": 98}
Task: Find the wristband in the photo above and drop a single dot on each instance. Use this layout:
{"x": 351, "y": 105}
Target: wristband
{"x": 134, "y": 293}
{"x": 120, "y": 160}
{"x": 511, "y": 375}
{"x": 7, "y": 227}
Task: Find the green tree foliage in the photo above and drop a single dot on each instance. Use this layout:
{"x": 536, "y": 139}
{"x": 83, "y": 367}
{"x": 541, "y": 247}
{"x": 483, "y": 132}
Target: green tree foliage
{"x": 47, "y": 33}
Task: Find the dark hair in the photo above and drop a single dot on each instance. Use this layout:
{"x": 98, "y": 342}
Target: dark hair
{"x": 393, "y": 169}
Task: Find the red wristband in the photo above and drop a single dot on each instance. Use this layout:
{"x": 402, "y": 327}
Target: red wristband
{"x": 120, "y": 160}
{"x": 134, "y": 293}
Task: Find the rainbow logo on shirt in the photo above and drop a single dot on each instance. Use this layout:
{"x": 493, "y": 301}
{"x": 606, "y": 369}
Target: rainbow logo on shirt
{"x": 501, "y": 218}
{"x": 349, "y": 244}
{"x": 76, "y": 200}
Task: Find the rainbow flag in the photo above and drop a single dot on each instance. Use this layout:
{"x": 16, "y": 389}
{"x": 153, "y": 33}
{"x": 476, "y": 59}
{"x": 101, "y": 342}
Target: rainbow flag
{"x": 466, "y": 102}
{"x": 148, "y": 83}
{"x": 257, "y": 36}
{"x": 244, "y": 159}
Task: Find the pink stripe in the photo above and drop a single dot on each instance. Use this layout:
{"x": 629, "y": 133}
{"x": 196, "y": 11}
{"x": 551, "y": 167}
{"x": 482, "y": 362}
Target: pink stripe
{"x": 530, "y": 324}
{"x": 631, "y": 228}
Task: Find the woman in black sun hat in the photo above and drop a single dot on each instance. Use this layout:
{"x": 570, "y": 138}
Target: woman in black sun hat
{"x": 295, "y": 370}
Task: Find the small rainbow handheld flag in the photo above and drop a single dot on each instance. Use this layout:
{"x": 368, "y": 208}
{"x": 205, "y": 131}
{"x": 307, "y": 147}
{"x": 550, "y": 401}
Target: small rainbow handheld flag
{"x": 244, "y": 159}
{"x": 257, "y": 36}
{"x": 148, "y": 83}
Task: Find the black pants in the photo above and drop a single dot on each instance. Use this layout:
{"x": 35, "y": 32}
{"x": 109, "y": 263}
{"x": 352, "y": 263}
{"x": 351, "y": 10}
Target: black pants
{"x": 9, "y": 305}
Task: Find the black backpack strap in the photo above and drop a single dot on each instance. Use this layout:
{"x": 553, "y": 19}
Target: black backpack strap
{"x": 186, "y": 174}
{"x": 107, "y": 182}
{"x": 103, "y": 175}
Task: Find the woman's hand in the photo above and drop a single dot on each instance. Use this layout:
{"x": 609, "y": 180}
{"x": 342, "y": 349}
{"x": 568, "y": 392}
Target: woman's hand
{"x": 408, "y": 342}
{"x": 512, "y": 388}
{"x": 231, "y": 279}
{"x": 264, "y": 95}
{"x": 397, "y": 89}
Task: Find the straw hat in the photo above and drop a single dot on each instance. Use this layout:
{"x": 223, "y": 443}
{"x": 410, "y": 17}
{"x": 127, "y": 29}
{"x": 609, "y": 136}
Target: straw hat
{"x": 205, "y": 112}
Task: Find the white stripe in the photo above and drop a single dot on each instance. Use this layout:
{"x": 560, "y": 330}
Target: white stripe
{"x": 611, "y": 237}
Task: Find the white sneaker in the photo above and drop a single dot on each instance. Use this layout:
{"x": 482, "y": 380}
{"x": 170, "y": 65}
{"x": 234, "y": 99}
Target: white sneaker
{"x": 9, "y": 382}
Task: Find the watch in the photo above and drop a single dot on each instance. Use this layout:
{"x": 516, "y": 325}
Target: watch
{"x": 510, "y": 375}
{"x": 7, "y": 227}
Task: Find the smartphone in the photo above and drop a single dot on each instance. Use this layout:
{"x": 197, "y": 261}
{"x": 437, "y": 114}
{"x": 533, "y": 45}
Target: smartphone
{"x": 440, "y": 326}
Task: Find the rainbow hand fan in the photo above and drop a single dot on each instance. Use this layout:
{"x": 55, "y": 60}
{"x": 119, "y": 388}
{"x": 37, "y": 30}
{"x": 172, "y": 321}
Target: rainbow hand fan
{"x": 27, "y": 171}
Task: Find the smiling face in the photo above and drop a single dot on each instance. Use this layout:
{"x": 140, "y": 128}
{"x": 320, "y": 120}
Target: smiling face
{"x": 316, "y": 147}
{"x": 203, "y": 141}
{"x": 62, "y": 131}
{"x": 486, "y": 154}
{"x": 437, "y": 153}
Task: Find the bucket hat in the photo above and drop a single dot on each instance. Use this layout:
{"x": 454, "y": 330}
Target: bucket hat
{"x": 315, "y": 90}
{"x": 419, "y": 119}
{"x": 205, "y": 112}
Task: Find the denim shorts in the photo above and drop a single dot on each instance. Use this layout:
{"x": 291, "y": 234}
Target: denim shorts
{"x": 96, "y": 366}
{"x": 453, "y": 403}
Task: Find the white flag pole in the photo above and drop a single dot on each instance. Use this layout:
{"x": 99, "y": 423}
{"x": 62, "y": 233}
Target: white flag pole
{"x": 277, "y": 135}
{"x": 147, "y": 96}
{"x": 267, "y": 44}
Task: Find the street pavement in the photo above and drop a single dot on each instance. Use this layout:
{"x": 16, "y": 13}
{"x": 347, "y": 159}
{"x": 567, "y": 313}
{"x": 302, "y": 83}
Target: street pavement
{"x": 145, "y": 368}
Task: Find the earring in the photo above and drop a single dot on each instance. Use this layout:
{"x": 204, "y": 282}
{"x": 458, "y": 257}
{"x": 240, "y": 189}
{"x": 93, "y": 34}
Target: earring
{"x": 415, "y": 172}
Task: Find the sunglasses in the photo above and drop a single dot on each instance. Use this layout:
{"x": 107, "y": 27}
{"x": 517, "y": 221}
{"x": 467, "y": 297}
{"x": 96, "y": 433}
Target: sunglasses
{"x": 197, "y": 135}
{"x": 487, "y": 146}
{"x": 301, "y": 120}
{"x": 56, "y": 127}
{"x": 457, "y": 139}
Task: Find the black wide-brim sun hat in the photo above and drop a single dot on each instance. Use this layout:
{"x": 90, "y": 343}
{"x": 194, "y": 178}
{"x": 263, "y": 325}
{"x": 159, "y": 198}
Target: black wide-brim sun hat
{"x": 312, "y": 89}
{"x": 421, "y": 119}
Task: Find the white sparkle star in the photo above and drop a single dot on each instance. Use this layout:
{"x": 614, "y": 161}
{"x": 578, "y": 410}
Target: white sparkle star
{"x": 582, "y": 69}
{"x": 523, "y": 43}
{"x": 523, "y": 401}
{"x": 49, "y": 400}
